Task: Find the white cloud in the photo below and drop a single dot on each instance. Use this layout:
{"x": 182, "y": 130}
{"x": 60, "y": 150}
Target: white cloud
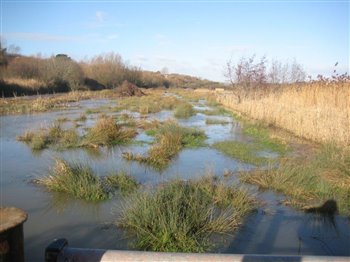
{"x": 100, "y": 16}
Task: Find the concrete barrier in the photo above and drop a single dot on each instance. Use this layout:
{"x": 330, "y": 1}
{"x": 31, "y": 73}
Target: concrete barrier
{"x": 59, "y": 251}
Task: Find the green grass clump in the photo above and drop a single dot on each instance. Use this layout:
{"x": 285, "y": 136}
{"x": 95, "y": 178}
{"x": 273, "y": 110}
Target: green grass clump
{"x": 69, "y": 139}
{"x": 184, "y": 110}
{"x": 170, "y": 139}
{"x": 211, "y": 121}
{"x": 181, "y": 216}
{"x": 216, "y": 111}
{"x": 107, "y": 132}
{"x": 123, "y": 182}
{"x": 75, "y": 179}
{"x": 190, "y": 137}
{"x": 241, "y": 151}
{"x": 310, "y": 181}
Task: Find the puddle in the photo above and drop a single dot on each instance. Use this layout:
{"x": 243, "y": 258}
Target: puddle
{"x": 282, "y": 230}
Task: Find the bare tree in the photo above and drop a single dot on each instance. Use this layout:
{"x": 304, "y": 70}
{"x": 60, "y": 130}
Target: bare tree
{"x": 286, "y": 73}
{"x": 246, "y": 75}
{"x": 274, "y": 75}
{"x": 297, "y": 73}
{"x": 13, "y": 49}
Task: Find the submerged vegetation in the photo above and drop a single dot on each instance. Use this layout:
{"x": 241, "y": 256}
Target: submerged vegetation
{"x": 182, "y": 216}
{"x": 262, "y": 138}
{"x": 242, "y": 151}
{"x": 79, "y": 180}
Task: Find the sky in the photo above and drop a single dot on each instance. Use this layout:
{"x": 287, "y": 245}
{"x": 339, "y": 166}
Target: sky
{"x": 188, "y": 37}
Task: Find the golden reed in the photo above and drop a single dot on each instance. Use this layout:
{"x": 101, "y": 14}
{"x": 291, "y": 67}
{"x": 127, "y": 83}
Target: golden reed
{"x": 319, "y": 111}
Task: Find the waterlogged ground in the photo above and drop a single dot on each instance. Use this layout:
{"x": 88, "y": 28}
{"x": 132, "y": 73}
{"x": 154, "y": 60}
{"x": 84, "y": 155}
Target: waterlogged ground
{"x": 273, "y": 229}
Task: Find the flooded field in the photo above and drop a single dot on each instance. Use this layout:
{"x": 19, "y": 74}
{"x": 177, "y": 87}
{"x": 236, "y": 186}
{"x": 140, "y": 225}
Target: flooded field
{"x": 272, "y": 229}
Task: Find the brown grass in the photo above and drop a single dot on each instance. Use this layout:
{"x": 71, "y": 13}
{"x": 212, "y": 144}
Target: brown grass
{"x": 33, "y": 84}
{"x": 30, "y": 104}
{"x": 316, "y": 111}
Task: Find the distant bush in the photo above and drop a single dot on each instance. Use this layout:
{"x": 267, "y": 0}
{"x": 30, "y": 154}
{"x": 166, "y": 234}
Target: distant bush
{"x": 107, "y": 69}
{"x": 62, "y": 70}
{"x": 24, "y": 67}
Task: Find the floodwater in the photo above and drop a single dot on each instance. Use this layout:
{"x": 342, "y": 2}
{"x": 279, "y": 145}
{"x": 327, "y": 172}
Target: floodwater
{"x": 273, "y": 229}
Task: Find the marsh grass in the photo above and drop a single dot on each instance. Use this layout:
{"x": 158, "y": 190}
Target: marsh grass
{"x": 124, "y": 183}
{"x": 75, "y": 179}
{"x": 107, "y": 132}
{"x": 170, "y": 139}
{"x": 309, "y": 182}
{"x": 182, "y": 216}
{"x": 184, "y": 110}
{"x": 242, "y": 151}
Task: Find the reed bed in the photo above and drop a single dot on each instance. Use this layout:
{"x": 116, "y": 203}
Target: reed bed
{"x": 318, "y": 111}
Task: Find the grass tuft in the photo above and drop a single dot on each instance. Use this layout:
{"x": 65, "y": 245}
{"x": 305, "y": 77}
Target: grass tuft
{"x": 75, "y": 179}
{"x": 211, "y": 121}
{"x": 184, "y": 110}
{"x": 181, "y": 216}
{"x": 107, "y": 132}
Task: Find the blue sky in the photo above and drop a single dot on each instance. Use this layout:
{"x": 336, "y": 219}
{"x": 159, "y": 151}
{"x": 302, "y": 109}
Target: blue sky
{"x": 190, "y": 37}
